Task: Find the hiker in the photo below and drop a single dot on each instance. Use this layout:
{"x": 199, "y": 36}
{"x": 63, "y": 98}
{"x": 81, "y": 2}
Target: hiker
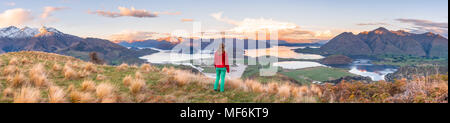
{"x": 222, "y": 67}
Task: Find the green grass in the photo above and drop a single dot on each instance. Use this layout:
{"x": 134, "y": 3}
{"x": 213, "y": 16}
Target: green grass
{"x": 406, "y": 60}
{"x": 191, "y": 93}
{"x": 307, "y": 75}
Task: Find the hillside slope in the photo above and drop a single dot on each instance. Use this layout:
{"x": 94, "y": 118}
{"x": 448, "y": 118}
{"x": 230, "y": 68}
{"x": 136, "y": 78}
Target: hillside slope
{"x": 382, "y": 41}
{"x": 39, "y": 77}
{"x": 54, "y": 41}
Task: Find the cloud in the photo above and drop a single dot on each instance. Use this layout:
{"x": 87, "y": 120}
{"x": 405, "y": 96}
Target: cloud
{"x": 132, "y": 12}
{"x": 187, "y": 20}
{"x": 218, "y": 16}
{"x": 424, "y": 23}
{"x": 15, "y": 17}
{"x": 422, "y": 26}
{"x": 10, "y": 4}
{"x": 49, "y": 10}
{"x": 373, "y": 24}
{"x": 286, "y": 30}
{"x": 131, "y": 36}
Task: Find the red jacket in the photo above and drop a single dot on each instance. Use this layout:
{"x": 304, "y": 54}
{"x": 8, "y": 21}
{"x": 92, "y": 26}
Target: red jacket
{"x": 221, "y": 61}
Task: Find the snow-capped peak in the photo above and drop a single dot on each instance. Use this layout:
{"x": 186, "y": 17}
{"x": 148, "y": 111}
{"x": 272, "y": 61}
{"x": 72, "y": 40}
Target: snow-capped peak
{"x": 26, "y": 32}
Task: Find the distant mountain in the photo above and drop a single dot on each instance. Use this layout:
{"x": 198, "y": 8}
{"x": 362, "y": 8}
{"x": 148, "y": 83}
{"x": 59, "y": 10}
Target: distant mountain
{"x": 51, "y": 40}
{"x": 382, "y": 41}
{"x": 168, "y": 45}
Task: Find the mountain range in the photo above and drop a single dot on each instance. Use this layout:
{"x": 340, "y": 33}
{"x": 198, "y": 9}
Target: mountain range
{"x": 51, "y": 40}
{"x": 382, "y": 41}
{"x": 168, "y": 45}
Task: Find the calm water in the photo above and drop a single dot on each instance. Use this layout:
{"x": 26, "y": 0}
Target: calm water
{"x": 281, "y": 52}
{"x": 365, "y": 68}
{"x": 297, "y": 64}
{"x": 359, "y": 67}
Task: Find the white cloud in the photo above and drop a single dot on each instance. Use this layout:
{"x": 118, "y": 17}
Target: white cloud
{"x": 286, "y": 30}
{"x": 421, "y": 26}
{"x": 15, "y": 17}
{"x": 132, "y": 12}
{"x": 49, "y": 10}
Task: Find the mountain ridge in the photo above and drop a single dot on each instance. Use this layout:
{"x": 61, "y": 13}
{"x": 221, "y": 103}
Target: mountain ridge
{"x": 383, "y": 41}
{"x": 13, "y": 39}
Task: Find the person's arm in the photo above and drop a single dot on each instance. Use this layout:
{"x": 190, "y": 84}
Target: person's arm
{"x": 227, "y": 65}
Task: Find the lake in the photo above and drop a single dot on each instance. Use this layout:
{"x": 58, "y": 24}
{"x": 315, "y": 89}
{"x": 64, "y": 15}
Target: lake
{"x": 361, "y": 67}
{"x": 364, "y": 67}
{"x": 297, "y": 64}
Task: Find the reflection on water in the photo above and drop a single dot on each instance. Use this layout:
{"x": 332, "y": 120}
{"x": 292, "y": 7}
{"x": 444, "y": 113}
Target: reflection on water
{"x": 297, "y": 64}
{"x": 363, "y": 67}
{"x": 169, "y": 57}
{"x": 281, "y": 52}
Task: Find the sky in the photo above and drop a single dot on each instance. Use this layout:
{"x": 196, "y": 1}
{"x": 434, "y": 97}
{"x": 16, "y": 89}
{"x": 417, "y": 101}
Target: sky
{"x": 296, "y": 19}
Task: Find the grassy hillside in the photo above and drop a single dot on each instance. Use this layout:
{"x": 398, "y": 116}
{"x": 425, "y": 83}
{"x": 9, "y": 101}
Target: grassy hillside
{"x": 47, "y": 77}
{"x": 37, "y": 77}
{"x": 307, "y": 75}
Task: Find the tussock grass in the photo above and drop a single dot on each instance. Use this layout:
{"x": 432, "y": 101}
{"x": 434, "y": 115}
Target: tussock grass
{"x": 69, "y": 73}
{"x": 127, "y": 80}
{"x": 100, "y": 77}
{"x": 122, "y": 67}
{"x": 146, "y": 68}
{"x": 104, "y": 91}
{"x": 88, "y": 85}
{"x": 14, "y": 61}
{"x": 90, "y": 67}
{"x": 149, "y": 84}
{"x": 56, "y": 95}
{"x": 38, "y": 77}
{"x": 27, "y": 95}
{"x": 17, "y": 80}
{"x": 8, "y": 92}
{"x": 56, "y": 67}
{"x": 284, "y": 90}
{"x": 10, "y": 69}
{"x": 137, "y": 86}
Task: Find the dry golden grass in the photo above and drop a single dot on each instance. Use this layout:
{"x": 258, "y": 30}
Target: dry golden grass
{"x": 75, "y": 96}
{"x": 56, "y": 67}
{"x": 122, "y": 67}
{"x": 104, "y": 90}
{"x": 17, "y": 80}
{"x": 146, "y": 68}
{"x": 272, "y": 88}
{"x": 71, "y": 88}
{"x": 84, "y": 73}
{"x": 127, "y": 80}
{"x": 100, "y": 77}
{"x": 14, "y": 61}
{"x": 235, "y": 83}
{"x": 25, "y": 61}
{"x": 86, "y": 97}
{"x": 10, "y": 69}
{"x": 27, "y": 95}
{"x": 56, "y": 95}
{"x": 136, "y": 86}
{"x": 254, "y": 86}
{"x": 109, "y": 99}
{"x": 8, "y": 92}
{"x": 90, "y": 67}
{"x": 138, "y": 75}
{"x": 284, "y": 90}
{"x": 38, "y": 77}
{"x": 69, "y": 73}
{"x": 88, "y": 85}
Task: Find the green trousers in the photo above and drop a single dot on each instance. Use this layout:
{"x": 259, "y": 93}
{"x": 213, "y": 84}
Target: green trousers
{"x": 220, "y": 74}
